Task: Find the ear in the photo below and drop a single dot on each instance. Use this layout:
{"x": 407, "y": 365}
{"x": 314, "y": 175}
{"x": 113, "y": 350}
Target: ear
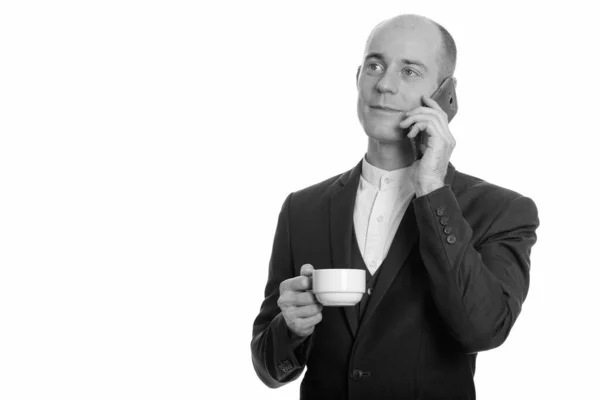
{"x": 357, "y": 75}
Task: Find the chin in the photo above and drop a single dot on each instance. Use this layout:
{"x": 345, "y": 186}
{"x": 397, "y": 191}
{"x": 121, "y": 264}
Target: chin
{"x": 382, "y": 127}
{"x": 385, "y": 133}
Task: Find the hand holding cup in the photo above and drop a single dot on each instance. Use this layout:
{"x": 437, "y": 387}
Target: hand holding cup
{"x": 298, "y": 304}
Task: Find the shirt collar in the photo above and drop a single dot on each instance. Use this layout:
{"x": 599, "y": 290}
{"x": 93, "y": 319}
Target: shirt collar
{"x": 383, "y": 179}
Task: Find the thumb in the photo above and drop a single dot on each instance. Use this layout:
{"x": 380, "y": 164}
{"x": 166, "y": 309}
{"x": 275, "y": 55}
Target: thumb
{"x": 307, "y": 270}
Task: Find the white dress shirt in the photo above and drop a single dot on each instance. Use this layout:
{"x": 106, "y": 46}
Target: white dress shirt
{"x": 381, "y": 201}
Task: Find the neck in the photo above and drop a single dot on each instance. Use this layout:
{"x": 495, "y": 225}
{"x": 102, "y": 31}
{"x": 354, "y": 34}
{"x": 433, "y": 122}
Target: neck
{"x": 389, "y": 156}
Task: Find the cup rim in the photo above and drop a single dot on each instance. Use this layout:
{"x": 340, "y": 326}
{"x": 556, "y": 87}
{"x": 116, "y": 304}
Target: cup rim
{"x": 339, "y": 269}
{"x": 337, "y": 291}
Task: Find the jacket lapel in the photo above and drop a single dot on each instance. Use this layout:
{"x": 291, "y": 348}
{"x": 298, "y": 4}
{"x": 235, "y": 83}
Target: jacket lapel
{"x": 341, "y": 216}
{"x": 404, "y": 241}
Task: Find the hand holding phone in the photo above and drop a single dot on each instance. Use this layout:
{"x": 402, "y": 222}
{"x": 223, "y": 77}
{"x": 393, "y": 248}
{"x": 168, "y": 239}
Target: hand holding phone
{"x": 445, "y": 96}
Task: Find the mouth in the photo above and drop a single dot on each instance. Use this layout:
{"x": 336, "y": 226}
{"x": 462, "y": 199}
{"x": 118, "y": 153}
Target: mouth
{"x": 386, "y": 109}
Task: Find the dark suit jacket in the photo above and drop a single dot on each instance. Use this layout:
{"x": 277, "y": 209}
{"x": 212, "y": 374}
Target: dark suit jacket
{"x": 457, "y": 289}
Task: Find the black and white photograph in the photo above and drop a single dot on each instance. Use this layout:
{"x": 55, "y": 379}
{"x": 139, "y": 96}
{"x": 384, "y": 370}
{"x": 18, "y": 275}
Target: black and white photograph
{"x": 341, "y": 200}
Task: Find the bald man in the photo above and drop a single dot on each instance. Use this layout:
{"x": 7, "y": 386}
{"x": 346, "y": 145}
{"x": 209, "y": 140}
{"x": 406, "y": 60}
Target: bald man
{"x": 446, "y": 255}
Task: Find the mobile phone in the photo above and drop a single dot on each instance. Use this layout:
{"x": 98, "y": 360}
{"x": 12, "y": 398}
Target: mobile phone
{"x": 445, "y": 96}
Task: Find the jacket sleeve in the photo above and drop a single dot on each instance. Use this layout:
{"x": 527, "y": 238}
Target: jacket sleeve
{"x": 478, "y": 288}
{"x": 278, "y": 355}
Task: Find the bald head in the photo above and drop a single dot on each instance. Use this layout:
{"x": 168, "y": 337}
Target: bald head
{"x": 405, "y": 58}
{"x": 413, "y": 24}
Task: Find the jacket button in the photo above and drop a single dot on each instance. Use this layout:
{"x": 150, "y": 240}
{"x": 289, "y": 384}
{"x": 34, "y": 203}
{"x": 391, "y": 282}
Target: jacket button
{"x": 451, "y": 239}
{"x": 447, "y": 230}
{"x": 357, "y": 374}
{"x": 439, "y": 211}
{"x": 444, "y": 220}
{"x": 286, "y": 366}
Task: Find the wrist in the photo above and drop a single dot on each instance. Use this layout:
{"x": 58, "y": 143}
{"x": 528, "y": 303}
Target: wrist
{"x": 424, "y": 188}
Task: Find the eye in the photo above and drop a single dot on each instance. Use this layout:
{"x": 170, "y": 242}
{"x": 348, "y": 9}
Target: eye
{"x": 410, "y": 72}
{"x": 374, "y": 67}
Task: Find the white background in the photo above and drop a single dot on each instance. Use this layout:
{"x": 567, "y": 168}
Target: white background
{"x": 146, "y": 148}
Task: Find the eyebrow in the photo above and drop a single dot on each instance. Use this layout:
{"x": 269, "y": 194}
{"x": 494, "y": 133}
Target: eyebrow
{"x": 381, "y": 57}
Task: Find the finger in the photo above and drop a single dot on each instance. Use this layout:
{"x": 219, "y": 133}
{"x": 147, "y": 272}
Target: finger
{"x": 416, "y": 128}
{"x": 305, "y": 298}
{"x": 298, "y": 299}
{"x": 314, "y": 320}
{"x": 299, "y": 284}
{"x": 408, "y": 121}
{"x": 428, "y": 110}
{"x": 427, "y": 123}
{"x": 307, "y": 270}
{"x": 306, "y": 311}
{"x": 306, "y": 324}
{"x": 431, "y": 103}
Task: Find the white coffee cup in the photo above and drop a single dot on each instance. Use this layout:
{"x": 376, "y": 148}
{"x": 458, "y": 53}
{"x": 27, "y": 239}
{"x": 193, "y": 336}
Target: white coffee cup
{"x": 338, "y": 286}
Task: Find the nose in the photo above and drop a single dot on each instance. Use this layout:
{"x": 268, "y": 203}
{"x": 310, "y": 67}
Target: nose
{"x": 387, "y": 83}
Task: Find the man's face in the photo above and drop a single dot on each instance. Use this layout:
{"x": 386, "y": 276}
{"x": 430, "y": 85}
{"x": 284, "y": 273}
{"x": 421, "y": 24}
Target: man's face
{"x": 399, "y": 66}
